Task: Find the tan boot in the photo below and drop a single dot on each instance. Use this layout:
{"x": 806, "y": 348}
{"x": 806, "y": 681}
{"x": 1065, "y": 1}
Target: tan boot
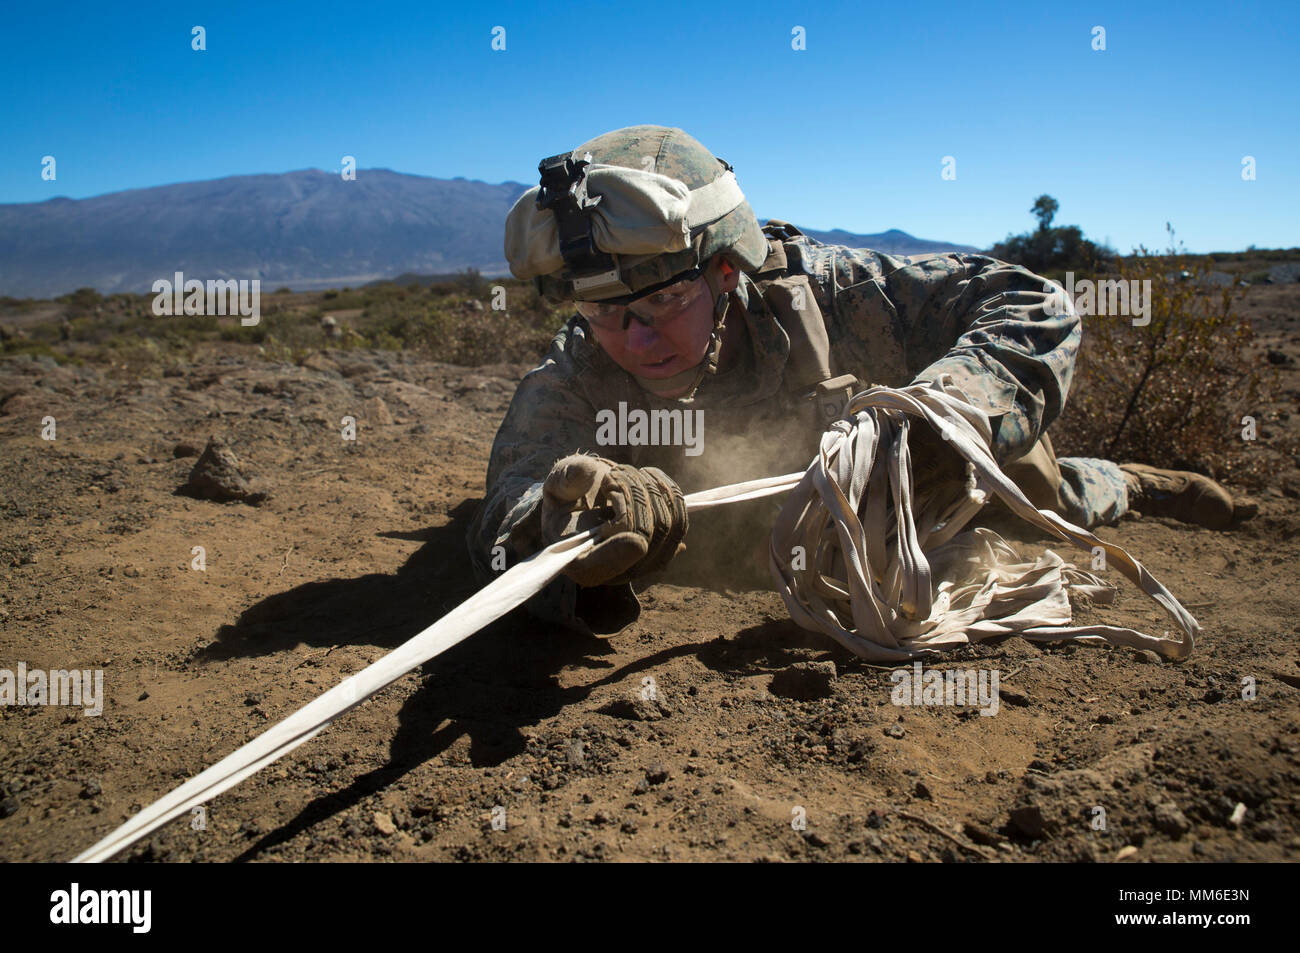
{"x": 1188, "y": 497}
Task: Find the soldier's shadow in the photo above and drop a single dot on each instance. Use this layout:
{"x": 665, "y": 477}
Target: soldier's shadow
{"x": 376, "y": 609}
{"x": 487, "y": 687}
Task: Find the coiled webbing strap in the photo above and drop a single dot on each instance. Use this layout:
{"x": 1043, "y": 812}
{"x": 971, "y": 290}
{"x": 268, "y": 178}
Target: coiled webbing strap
{"x": 857, "y": 549}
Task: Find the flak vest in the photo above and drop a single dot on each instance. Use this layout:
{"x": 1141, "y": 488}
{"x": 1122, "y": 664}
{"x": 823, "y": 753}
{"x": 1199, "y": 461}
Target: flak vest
{"x": 809, "y": 375}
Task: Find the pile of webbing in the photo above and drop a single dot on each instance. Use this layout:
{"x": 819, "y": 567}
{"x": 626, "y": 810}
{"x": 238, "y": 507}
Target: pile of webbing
{"x": 856, "y": 552}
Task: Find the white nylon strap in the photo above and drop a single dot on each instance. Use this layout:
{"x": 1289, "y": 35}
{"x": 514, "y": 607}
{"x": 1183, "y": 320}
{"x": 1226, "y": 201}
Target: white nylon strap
{"x": 512, "y": 588}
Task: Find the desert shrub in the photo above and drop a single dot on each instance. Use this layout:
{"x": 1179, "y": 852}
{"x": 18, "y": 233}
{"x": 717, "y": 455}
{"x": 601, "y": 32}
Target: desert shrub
{"x": 472, "y": 283}
{"x": 37, "y": 348}
{"x": 491, "y": 336}
{"x": 81, "y": 302}
{"x": 132, "y": 358}
{"x": 443, "y": 324}
{"x": 284, "y": 337}
{"x": 1173, "y": 393}
{"x": 345, "y": 300}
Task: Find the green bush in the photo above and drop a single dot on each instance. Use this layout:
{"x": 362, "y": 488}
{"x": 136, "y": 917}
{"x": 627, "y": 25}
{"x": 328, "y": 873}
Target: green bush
{"x": 1051, "y": 250}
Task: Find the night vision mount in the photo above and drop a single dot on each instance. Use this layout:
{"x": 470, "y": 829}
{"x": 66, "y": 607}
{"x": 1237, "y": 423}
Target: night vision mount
{"x": 564, "y": 192}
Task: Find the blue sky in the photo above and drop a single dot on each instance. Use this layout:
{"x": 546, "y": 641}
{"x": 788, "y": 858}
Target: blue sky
{"x": 850, "y": 132}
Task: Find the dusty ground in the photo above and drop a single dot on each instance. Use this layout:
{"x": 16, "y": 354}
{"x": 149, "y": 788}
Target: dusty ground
{"x": 361, "y": 545}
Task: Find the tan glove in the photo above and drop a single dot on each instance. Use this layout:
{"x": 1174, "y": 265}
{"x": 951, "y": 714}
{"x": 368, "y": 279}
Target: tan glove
{"x": 643, "y": 509}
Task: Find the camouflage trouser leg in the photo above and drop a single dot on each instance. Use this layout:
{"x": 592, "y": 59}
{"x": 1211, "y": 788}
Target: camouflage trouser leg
{"x": 1093, "y": 492}
{"x": 1086, "y": 491}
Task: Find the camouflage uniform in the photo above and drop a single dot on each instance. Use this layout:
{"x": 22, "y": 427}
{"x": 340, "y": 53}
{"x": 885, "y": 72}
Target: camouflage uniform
{"x": 890, "y": 320}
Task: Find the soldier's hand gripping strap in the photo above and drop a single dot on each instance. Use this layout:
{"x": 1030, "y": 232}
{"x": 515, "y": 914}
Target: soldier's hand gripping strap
{"x": 643, "y": 511}
{"x": 670, "y": 520}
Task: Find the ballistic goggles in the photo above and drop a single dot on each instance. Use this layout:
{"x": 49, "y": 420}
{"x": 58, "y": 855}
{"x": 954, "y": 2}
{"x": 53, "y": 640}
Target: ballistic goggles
{"x": 653, "y": 308}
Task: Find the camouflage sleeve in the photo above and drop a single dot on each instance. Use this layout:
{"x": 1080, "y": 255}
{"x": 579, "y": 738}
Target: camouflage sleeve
{"x": 988, "y": 324}
{"x": 550, "y": 417}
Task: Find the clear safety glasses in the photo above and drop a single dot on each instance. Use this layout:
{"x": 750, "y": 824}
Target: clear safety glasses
{"x": 653, "y": 310}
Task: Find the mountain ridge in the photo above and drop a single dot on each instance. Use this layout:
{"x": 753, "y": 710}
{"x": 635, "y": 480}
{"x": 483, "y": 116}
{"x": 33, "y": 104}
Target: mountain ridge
{"x": 305, "y": 229}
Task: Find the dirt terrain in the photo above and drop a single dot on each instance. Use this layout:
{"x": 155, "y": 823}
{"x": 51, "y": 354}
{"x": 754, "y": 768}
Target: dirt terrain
{"x": 756, "y": 723}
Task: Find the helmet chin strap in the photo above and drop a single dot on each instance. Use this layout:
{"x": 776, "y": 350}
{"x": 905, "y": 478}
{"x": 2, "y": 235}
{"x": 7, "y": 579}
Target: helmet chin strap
{"x": 693, "y": 377}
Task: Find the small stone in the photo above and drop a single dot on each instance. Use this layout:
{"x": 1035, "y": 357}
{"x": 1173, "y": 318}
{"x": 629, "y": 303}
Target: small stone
{"x": 814, "y": 839}
{"x": 804, "y": 681}
{"x": 1126, "y": 852}
{"x": 1029, "y": 821}
{"x": 8, "y": 807}
{"x": 656, "y": 774}
{"x": 384, "y": 823}
{"x": 377, "y": 413}
{"x": 253, "y": 698}
{"x": 91, "y": 788}
{"x": 131, "y": 572}
{"x": 981, "y": 835}
{"x": 1170, "y": 820}
{"x": 143, "y": 696}
{"x": 636, "y": 708}
{"x": 424, "y": 808}
{"x": 216, "y": 476}
{"x": 922, "y": 790}
{"x": 895, "y": 731}
{"x": 1015, "y": 699}
{"x": 1269, "y": 830}
{"x": 642, "y": 786}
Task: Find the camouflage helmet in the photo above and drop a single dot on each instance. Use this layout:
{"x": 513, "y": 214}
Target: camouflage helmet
{"x": 533, "y": 241}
